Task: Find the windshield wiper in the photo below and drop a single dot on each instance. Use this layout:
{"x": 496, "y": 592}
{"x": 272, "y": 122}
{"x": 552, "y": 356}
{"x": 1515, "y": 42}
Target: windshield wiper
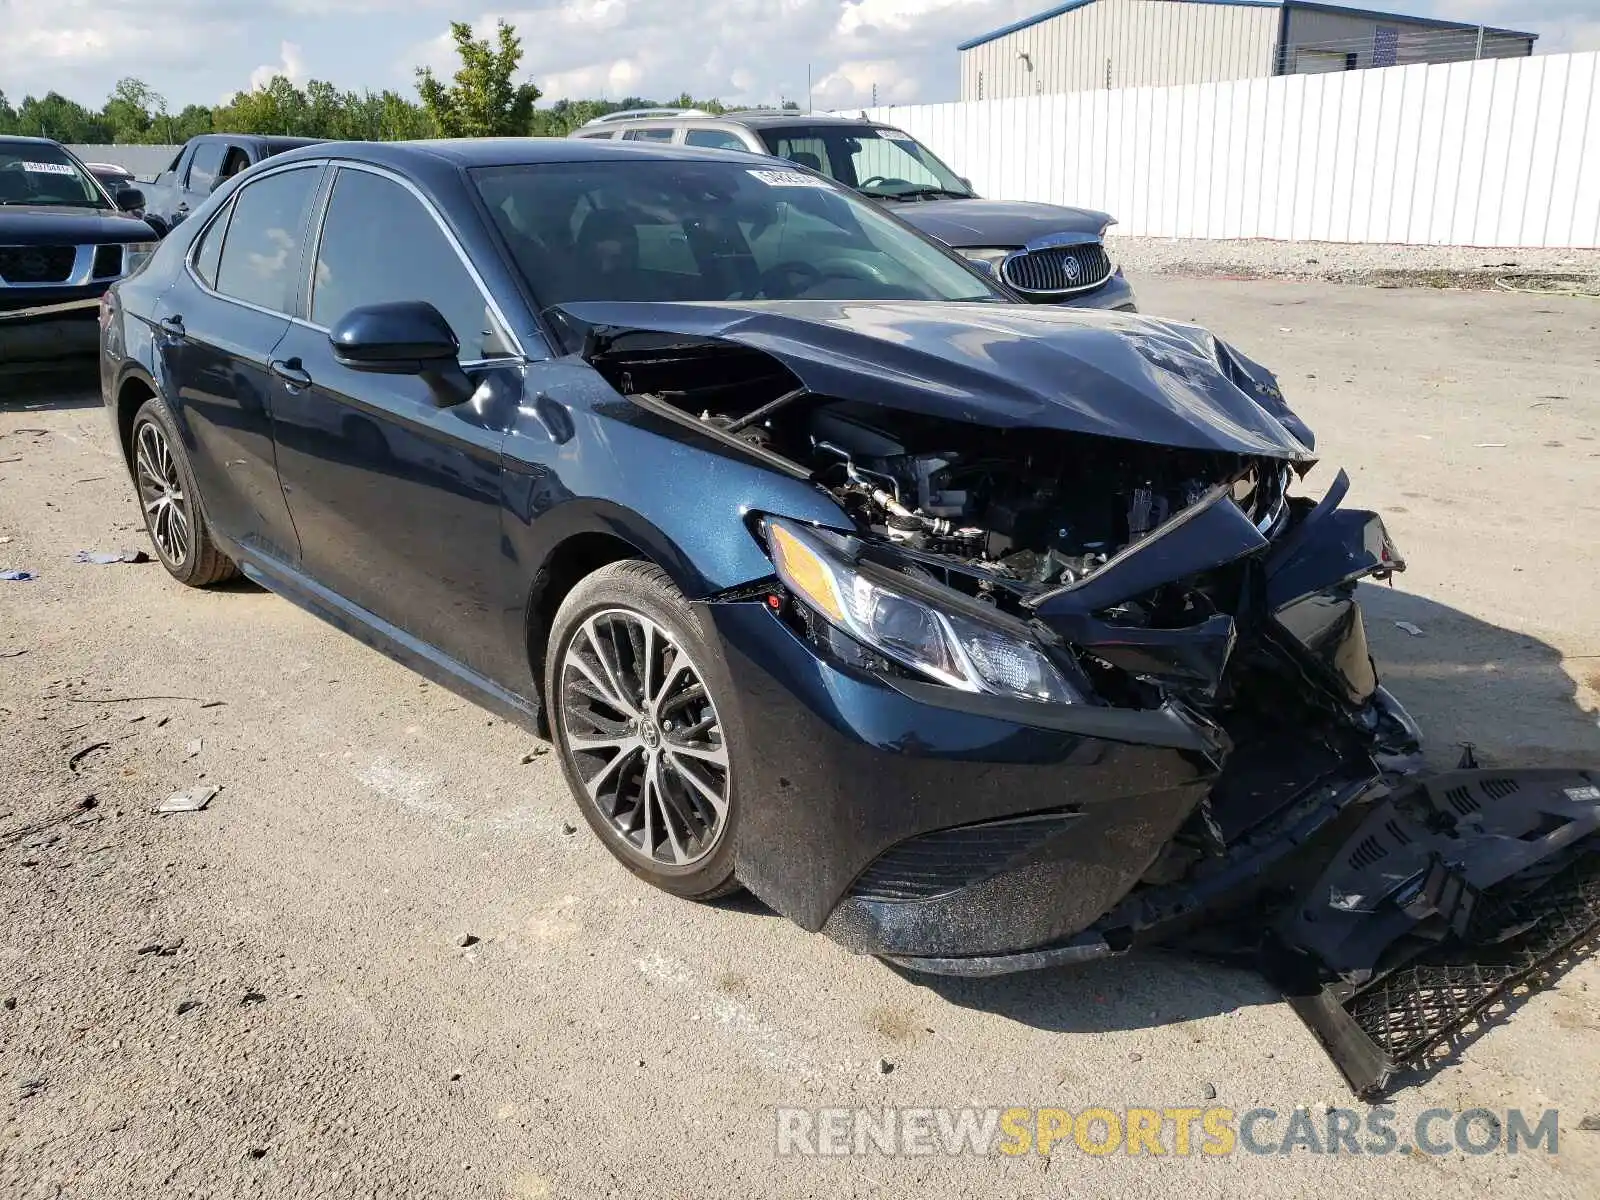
{"x": 921, "y": 193}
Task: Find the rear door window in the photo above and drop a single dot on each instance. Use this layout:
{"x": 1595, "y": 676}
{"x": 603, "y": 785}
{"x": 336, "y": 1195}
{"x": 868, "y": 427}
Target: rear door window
{"x": 209, "y": 252}
{"x": 205, "y": 166}
{"x": 404, "y": 256}
{"x": 714, "y": 139}
{"x": 648, "y": 135}
{"x": 260, "y": 261}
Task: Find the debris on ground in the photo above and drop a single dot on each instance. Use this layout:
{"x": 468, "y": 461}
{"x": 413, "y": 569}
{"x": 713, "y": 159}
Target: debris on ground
{"x": 467, "y": 939}
{"x": 1208, "y": 1091}
{"x": 187, "y": 1006}
{"x": 536, "y": 752}
{"x": 104, "y": 558}
{"x": 79, "y": 756}
{"x": 1407, "y": 626}
{"x": 13, "y": 653}
{"x": 1590, "y": 1124}
{"x": 568, "y": 828}
{"x": 1135, "y": 1057}
{"x": 193, "y": 749}
{"x": 192, "y": 800}
{"x": 163, "y": 949}
{"x": 17, "y": 576}
{"x": 1491, "y": 446}
{"x": 30, "y": 1088}
{"x": 9, "y": 1003}
{"x": 250, "y": 998}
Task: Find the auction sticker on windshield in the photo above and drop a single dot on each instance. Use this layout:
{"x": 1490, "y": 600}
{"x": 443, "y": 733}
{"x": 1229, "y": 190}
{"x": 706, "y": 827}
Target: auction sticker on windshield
{"x": 39, "y": 168}
{"x": 791, "y": 179}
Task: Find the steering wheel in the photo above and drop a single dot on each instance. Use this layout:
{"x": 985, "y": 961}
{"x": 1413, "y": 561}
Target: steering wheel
{"x": 886, "y": 179}
{"x": 788, "y": 279}
{"x": 841, "y": 267}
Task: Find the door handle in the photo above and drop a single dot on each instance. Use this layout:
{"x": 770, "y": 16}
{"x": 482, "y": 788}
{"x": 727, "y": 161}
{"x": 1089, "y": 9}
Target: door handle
{"x": 290, "y": 371}
{"x": 172, "y": 326}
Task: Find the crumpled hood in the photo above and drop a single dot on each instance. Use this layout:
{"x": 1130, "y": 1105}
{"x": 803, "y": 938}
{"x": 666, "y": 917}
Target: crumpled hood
{"x": 995, "y": 223}
{"x": 1117, "y": 375}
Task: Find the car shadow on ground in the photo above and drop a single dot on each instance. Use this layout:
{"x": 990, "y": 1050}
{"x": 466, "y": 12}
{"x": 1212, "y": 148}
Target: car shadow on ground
{"x": 70, "y": 387}
{"x": 1464, "y": 680}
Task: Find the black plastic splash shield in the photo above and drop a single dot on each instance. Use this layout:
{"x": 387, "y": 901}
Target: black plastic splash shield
{"x": 1454, "y": 898}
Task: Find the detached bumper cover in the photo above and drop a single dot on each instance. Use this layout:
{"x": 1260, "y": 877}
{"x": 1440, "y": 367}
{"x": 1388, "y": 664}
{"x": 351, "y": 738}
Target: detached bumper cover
{"x": 1450, "y": 895}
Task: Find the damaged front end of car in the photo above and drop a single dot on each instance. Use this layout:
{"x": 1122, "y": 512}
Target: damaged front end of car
{"x": 1120, "y": 670}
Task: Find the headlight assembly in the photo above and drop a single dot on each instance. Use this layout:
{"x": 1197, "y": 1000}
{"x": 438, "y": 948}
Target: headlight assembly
{"x": 135, "y": 255}
{"x": 952, "y": 648}
{"x": 988, "y": 259}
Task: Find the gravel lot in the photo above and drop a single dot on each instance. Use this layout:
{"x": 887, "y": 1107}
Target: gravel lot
{"x": 272, "y": 998}
{"x": 1342, "y": 262}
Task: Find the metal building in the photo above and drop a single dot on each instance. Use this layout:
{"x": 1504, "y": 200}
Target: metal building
{"x": 1082, "y": 45}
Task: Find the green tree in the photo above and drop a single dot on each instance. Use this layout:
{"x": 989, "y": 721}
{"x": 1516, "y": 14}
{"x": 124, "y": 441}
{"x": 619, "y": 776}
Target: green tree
{"x": 8, "y": 116}
{"x": 483, "y": 100}
{"x": 54, "y": 116}
{"x": 132, "y": 110}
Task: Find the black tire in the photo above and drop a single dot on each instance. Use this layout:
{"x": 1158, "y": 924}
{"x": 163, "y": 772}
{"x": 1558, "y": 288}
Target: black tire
{"x": 686, "y": 738}
{"x": 194, "y": 559}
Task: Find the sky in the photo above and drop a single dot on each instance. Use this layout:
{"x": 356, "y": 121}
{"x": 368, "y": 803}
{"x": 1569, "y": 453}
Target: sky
{"x": 747, "y": 51}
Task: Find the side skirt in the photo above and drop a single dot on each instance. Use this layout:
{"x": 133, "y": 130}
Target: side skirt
{"x": 388, "y": 639}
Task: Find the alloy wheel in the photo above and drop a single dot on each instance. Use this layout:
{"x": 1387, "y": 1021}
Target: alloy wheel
{"x": 644, "y": 735}
{"x": 161, "y": 491}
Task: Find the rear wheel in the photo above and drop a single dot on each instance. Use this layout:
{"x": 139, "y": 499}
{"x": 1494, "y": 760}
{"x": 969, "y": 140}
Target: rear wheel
{"x": 170, "y": 501}
{"x": 631, "y": 683}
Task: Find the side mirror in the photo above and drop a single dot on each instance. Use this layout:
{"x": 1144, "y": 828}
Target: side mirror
{"x": 130, "y": 199}
{"x": 410, "y": 337}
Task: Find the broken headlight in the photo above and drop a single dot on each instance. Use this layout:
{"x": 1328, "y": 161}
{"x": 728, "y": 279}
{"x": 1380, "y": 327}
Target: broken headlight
{"x": 955, "y": 649}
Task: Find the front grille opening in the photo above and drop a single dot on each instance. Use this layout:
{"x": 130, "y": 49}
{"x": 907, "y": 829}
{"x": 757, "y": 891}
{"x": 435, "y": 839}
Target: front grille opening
{"x": 1059, "y": 269}
{"x": 36, "y": 264}
{"x": 107, "y": 261}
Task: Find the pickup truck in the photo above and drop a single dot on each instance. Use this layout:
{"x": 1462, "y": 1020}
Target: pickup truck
{"x": 64, "y": 239}
{"x": 200, "y": 166}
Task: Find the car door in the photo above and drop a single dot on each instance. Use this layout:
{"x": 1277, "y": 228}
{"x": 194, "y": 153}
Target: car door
{"x": 205, "y": 168}
{"x": 219, "y": 325}
{"x": 396, "y": 499}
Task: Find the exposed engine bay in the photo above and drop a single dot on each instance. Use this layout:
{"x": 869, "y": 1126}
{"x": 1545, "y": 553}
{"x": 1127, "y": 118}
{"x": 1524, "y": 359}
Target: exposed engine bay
{"x": 1094, "y": 516}
{"x": 1022, "y": 509}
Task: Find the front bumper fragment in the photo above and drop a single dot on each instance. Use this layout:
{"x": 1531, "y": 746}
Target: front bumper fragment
{"x": 1014, "y": 834}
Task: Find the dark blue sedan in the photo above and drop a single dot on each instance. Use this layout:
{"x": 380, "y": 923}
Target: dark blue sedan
{"x": 979, "y": 634}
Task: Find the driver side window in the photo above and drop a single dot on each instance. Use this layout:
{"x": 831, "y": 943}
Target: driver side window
{"x": 405, "y": 255}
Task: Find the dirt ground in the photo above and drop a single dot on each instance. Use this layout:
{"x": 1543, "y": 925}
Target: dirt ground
{"x": 272, "y": 998}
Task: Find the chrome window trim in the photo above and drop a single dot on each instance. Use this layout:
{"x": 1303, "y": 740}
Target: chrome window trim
{"x": 188, "y": 258}
{"x": 473, "y": 273}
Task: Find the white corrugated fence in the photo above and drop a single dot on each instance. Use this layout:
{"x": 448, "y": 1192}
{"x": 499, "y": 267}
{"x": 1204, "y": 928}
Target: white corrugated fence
{"x": 1492, "y": 153}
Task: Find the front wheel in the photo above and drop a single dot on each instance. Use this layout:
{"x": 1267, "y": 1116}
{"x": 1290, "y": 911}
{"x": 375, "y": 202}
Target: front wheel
{"x": 171, "y": 501}
{"x": 631, "y": 685}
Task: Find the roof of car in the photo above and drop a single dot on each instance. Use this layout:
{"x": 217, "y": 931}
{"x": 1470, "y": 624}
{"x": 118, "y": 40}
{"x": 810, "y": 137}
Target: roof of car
{"x": 506, "y": 152}
{"x": 20, "y": 139}
{"x": 753, "y": 117}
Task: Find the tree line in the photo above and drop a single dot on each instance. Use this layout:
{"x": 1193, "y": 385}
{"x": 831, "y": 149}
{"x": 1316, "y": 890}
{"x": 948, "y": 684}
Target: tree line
{"x": 482, "y": 99}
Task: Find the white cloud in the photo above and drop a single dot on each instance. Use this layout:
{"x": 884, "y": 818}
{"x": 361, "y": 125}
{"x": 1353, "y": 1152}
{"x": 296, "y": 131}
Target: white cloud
{"x": 743, "y": 51}
{"x": 292, "y": 68}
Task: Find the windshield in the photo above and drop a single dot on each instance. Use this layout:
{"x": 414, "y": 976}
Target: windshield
{"x": 702, "y": 230}
{"x": 39, "y": 173}
{"x": 884, "y": 163}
